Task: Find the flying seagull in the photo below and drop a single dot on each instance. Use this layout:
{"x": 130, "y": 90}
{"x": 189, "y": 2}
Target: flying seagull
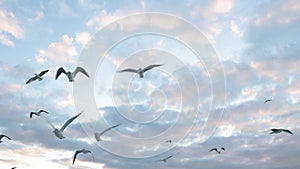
{"x": 268, "y": 100}
{"x": 140, "y": 71}
{"x": 59, "y": 132}
{"x": 165, "y": 159}
{"x": 276, "y": 131}
{"x": 84, "y": 151}
{"x": 38, "y": 113}
{"x": 168, "y": 141}
{"x": 218, "y": 151}
{"x": 71, "y": 75}
{"x": 98, "y": 135}
{"x": 37, "y": 76}
{"x": 14, "y": 168}
{"x": 2, "y": 135}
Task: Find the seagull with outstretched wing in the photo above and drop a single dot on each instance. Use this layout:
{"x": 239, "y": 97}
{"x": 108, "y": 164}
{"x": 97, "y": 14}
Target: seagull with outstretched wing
{"x": 141, "y": 71}
{"x": 2, "y": 136}
{"x": 84, "y": 151}
{"x": 165, "y": 159}
{"x": 276, "y": 131}
{"x": 268, "y": 100}
{"x": 37, "y": 76}
{"x": 71, "y": 75}
{"x": 98, "y": 135}
{"x": 59, "y": 132}
{"x": 38, "y": 113}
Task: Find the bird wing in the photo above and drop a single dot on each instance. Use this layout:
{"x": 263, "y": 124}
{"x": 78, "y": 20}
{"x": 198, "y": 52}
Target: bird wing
{"x": 7, "y": 137}
{"x": 214, "y": 149}
{"x": 222, "y": 148}
{"x": 92, "y": 155}
{"x": 169, "y": 157}
{"x": 129, "y": 70}
{"x": 32, "y": 113}
{"x": 2, "y": 135}
{"x": 75, "y": 155}
{"x": 44, "y": 111}
{"x": 151, "y": 67}
{"x": 32, "y": 79}
{"x": 98, "y": 135}
{"x": 288, "y": 131}
{"x": 59, "y": 71}
{"x": 80, "y": 69}
{"x": 69, "y": 121}
{"x": 268, "y": 100}
{"x": 43, "y": 72}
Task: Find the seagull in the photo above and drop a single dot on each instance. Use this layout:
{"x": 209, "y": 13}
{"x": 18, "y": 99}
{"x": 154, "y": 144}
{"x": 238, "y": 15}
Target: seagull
{"x": 276, "y": 131}
{"x": 37, "y": 76}
{"x": 71, "y": 75}
{"x": 1, "y": 136}
{"x": 268, "y": 100}
{"x": 98, "y": 135}
{"x": 215, "y": 149}
{"x": 140, "y": 71}
{"x": 38, "y": 113}
{"x": 59, "y": 132}
{"x": 168, "y": 141}
{"x": 14, "y": 168}
{"x": 165, "y": 159}
{"x": 222, "y": 148}
{"x": 84, "y": 151}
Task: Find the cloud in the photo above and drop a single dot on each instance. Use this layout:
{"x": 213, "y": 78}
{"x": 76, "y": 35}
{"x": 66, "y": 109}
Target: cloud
{"x": 9, "y": 26}
{"x": 221, "y": 6}
{"x": 82, "y": 38}
{"x": 235, "y": 28}
{"x": 38, "y": 16}
{"x": 58, "y": 52}
{"x": 102, "y": 18}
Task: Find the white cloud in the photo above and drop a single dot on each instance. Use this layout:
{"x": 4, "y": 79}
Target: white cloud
{"x": 82, "y": 38}
{"x": 9, "y": 26}
{"x": 221, "y": 6}
{"x": 58, "y": 52}
{"x": 38, "y": 16}
{"x": 235, "y": 28}
{"x": 101, "y": 19}
{"x": 281, "y": 12}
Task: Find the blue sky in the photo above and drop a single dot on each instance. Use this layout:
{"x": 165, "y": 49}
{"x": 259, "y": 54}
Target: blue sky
{"x": 257, "y": 53}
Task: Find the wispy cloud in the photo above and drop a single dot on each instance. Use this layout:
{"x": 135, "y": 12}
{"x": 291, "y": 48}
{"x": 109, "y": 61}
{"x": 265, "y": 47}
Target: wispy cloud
{"x": 10, "y": 26}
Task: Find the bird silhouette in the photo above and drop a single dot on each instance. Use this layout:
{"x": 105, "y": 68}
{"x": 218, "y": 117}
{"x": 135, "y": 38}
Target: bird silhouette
{"x": 276, "y": 131}
{"x": 84, "y": 151}
{"x": 71, "y": 75}
{"x": 268, "y": 100}
{"x": 168, "y": 141}
{"x": 141, "y": 71}
{"x": 37, "y": 76}
{"x": 218, "y": 151}
{"x": 165, "y": 159}
{"x": 38, "y": 113}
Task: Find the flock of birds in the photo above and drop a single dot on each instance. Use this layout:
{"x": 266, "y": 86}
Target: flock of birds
{"x": 71, "y": 76}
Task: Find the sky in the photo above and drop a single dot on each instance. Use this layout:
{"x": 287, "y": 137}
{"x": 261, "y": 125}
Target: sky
{"x": 221, "y": 60}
